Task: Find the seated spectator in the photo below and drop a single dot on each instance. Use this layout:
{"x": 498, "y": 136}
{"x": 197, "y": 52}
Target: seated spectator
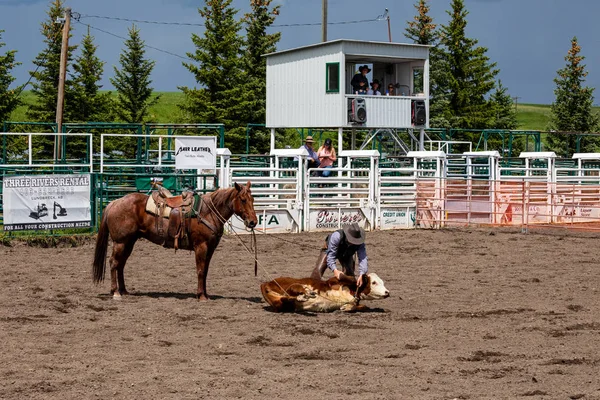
{"x": 363, "y": 88}
{"x": 391, "y": 91}
{"x": 374, "y": 91}
{"x": 313, "y": 158}
{"x": 360, "y": 81}
{"x": 327, "y": 156}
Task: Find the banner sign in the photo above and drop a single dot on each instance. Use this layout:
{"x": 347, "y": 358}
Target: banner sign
{"x": 36, "y": 202}
{"x": 334, "y": 219}
{"x": 398, "y": 218}
{"x": 196, "y": 152}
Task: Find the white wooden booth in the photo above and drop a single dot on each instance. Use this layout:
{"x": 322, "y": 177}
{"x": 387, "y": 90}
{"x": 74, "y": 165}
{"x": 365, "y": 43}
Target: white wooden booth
{"x": 309, "y": 87}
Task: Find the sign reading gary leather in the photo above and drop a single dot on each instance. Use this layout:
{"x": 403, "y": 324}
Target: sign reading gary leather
{"x": 37, "y": 202}
{"x": 196, "y": 152}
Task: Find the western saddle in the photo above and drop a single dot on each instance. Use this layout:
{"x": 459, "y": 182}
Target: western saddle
{"x": 176, "y": 209}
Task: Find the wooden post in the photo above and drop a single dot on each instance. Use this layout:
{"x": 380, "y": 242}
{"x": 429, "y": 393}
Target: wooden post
{"x": 60, "y": 101}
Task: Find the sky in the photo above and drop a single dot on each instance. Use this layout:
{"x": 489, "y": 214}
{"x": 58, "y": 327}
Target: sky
{"x": 528, "y": 39}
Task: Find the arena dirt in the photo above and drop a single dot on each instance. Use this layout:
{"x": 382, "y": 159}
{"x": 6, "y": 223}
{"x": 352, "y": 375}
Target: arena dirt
{"x": 474, "y": 314}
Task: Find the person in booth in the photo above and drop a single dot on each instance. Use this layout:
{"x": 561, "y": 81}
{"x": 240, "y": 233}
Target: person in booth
{"x": 374, "y": 91}
{"x": 342, "y": 245}
{"x": 359, "y": 81}
{"x": 326, "y": 154}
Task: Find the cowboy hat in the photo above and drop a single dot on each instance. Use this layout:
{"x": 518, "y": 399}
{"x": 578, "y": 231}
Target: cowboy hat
{"x": 309, "y": 139}
{"x": 375, "y": 81}
{"x": 354, "y": 234}
{"x": 360, "y": 69}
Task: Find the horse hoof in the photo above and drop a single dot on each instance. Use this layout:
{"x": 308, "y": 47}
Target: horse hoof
{"x": 202, "y": 297}
{"x": 117, "y": 296}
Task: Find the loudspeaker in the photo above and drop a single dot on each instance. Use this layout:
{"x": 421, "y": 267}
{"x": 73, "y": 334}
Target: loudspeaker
{"x": 358, "y": 111}
{"x": 419, "y": 114}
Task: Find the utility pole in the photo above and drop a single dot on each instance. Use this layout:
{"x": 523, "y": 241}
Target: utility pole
{"x": 389, "y": 26}
{"x": 60, "y": 101}
{"x": 516, "y": 100}
{"x": 324, "y": 22}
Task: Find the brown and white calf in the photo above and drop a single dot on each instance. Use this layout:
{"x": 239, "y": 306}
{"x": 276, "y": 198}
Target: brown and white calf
{"x": 307, "y": 294}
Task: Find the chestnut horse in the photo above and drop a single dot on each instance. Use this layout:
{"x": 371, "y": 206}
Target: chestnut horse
{"x": 126, "y": 220}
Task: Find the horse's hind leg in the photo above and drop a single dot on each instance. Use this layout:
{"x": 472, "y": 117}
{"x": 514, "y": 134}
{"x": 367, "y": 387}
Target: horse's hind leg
{"x": 120, "y": 254}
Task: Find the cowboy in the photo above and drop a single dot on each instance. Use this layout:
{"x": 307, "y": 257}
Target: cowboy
{"x": 342, "y": 245}
{"x": 374, "y": 91}
{"x": 360, "y": 77}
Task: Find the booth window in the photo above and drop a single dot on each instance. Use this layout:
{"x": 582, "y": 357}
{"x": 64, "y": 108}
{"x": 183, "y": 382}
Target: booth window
{"x": 333, "y": 78}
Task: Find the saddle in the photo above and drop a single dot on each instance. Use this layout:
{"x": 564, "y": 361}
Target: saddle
{"x": 176, "y": 209}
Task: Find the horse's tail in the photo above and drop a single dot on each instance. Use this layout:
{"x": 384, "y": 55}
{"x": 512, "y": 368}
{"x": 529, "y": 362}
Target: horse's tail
{"x": 101, "y": 247}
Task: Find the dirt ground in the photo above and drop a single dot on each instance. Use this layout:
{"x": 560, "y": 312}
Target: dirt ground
{"x": 473, "y": 314}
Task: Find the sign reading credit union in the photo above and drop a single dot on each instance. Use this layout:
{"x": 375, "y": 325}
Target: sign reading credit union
{"x": 196, "y": 152}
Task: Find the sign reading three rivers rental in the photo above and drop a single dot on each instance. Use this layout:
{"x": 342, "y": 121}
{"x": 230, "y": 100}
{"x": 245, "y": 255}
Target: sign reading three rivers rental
{"x": 46, "y": 202}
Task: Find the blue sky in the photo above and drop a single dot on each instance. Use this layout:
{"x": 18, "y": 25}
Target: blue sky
{"x": 527, "y": 38}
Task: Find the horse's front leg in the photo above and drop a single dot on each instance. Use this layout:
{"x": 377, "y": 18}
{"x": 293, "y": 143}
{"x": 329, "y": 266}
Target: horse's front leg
{"x": 201, "y": 270}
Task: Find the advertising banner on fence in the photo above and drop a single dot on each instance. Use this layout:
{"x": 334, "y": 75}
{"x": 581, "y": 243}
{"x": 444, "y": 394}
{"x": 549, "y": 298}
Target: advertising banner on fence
{"x": 46, "y": 202}
{"x": 196, "y": 152}
{"x": 336, "y": 218}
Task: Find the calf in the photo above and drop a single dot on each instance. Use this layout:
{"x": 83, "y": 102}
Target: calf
{"x": 307, "y": 294}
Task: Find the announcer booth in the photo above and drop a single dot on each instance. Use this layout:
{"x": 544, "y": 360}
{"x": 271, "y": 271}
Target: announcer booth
{"x": 310, "y": 87}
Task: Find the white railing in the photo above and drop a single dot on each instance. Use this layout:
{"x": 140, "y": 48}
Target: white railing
{"x": 33, "y": 163}
{"x": 387, "y": 111}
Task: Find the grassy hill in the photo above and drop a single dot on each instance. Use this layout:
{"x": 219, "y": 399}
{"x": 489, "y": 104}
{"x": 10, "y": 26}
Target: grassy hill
{"x": 530, "y": 116}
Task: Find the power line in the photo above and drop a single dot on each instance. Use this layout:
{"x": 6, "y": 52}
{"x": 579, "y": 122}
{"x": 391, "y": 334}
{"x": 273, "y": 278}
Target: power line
{"x": 141, "y": 21}
{"x": 146, "y": 45}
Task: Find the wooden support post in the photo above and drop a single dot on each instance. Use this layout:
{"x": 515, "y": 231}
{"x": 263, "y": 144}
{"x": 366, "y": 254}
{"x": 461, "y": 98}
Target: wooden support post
{"x": 60, "y": 101}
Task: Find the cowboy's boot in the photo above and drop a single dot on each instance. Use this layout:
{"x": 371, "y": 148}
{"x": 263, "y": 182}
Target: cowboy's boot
{"x": 320, "y": 266}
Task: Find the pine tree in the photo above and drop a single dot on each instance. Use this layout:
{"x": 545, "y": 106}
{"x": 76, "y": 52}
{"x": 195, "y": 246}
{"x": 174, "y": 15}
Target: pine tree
{"x": 45, "y": 77}
{"x": 258, "y": 42}
{"x": 572, "y": 107}
{"x": 8, "y": 97}
{"x": 132, "y": 81}
{"x": 505, "y": 116}
{"x": 218, "y": 70}
{"x": 91, "y": 105}
{"x": 470, "y": 74}
{"x": 422, "y": 30}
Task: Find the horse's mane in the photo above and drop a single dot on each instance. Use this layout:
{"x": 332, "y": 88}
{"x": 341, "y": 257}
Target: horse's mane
{"x": 223, "y": 195}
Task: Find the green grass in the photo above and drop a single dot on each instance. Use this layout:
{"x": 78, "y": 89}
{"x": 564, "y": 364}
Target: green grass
{"x": 534, "y": 117}
{"x": 529, "y": 116}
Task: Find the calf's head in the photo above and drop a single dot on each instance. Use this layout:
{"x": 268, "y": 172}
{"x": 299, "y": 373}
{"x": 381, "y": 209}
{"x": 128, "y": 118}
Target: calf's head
{"x": 374, "y": 288}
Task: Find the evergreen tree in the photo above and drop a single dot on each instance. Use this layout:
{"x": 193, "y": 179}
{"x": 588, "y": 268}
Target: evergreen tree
{"x": 470, "y": 76}
{"x": 91, "y": 105}
{"x": 8, "y": 97}
{"x": 257, "y": 43}
{"x": 217, "y": 68}
{"x": 505, "y": 116}
{"x": 132, "y": 81}
{"x": 572, "y": 107}
{"x": 46, "y": 75}
{"x": 422, "y": 30}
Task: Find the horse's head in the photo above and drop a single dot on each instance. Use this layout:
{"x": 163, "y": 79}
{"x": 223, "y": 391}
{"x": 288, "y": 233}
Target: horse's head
{"x": 243, "y": 205}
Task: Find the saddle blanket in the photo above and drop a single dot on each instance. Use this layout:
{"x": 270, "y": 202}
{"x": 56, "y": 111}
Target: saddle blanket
{"x": 152, "y": 208}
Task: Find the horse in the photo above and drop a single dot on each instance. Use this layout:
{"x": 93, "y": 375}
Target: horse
{"x": 126, "y": 220}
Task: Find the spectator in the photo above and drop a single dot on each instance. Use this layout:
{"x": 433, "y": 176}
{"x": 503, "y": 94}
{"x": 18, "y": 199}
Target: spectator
{"x": 327, "y": 156}
{"x": 359, "y": 80}
{"x": 391, "y": 91}
{"x": 374, "y": 91}
{"x": 313, "y": 158}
